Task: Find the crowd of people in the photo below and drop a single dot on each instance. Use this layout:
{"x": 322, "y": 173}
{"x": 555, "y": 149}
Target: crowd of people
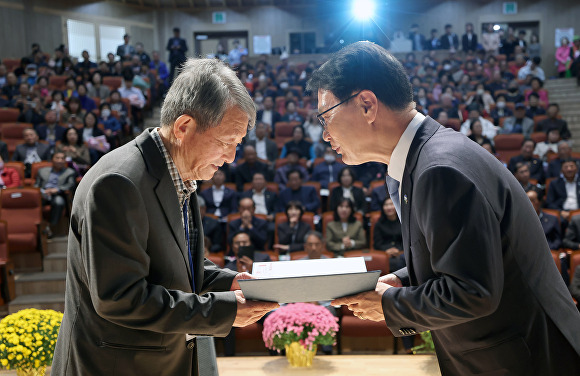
{"x": 274, "y": 196}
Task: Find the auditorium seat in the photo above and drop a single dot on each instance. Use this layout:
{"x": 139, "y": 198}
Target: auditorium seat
{"x": 57, "y": 82}
{"x": 537, "y": 120}
{"x": 307, "y": 217}
{"x": 270, "y": 186}
{"x": 22, "y": 207}
{"x": 353, "y": 327}
{"x": 9, "y": 115}
{"x": 217, "y": 258}
{"x": 539, "y": 137}
{"x": 29, "y": 182}
{"x": 283, "y": 132}
{"x": 12, "y": 134}
{"x": 374, "y": 260}
{"x": 114, "y": 83}
{"x": 508, "y": 145}
{"x": 282, "y": 161}
{"x": 373, "y": 219}
{"x": 7, "y": 290}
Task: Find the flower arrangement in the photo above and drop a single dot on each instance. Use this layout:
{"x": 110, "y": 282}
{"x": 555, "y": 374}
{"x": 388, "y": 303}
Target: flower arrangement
{"x": 28, "y": 338}
{"x": 427, "y": 347}
{"x": 307, "y": 324}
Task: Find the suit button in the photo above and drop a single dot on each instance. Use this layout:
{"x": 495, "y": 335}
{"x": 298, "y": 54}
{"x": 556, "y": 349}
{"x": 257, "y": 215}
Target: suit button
{"x": 191, "y": 345}
{"x": 401, "y": 332}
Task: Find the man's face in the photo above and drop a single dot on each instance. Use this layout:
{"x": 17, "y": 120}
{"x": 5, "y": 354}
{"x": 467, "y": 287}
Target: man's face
{"x": 533, "y": 196}
{"x": 294, "y": 181}
{"x": 258, "y": 182}
{"x": 260, "y": 131}
{"x": 268, "y": 103}
{"x": 520, "y": 113}
{"x": 82, "y": 91}
{"x": 564, "y": 151}
{"x": 240, "y": 240}
{"x": 250, "y": 155}
{"x": 111, "y": 57}
{"x": 23, "y": 89}
{"x": 552, "y": 111}
{"x": 473, "y": 115}
{"x": 58, "y": 161}
{"x": 85, "y": 55}
{"x": 448, "y": 30}
{"x": 292, "y": 158}
{"x": 569, "y": 169}
{"x": 533, "y": 101}
{"x": 553, "y": 136}
{"x": 442, "y": 118}
{"x": 200, "y": 154}
{"x": 246, "y": 205}
{"x": 219, "y": 178}
{"x": 527, "y": 149}
{"x": 523, "y": 175}
{"x": 30, "y": 137}
{"x": 313, "y": 246}
{"x": 155, "y": 56}
{"x": 126, "y": 39}
{"x": 50, "y": 117}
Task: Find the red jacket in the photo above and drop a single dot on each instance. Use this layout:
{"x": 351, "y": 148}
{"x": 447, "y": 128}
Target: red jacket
{"x": 11, "y": 178}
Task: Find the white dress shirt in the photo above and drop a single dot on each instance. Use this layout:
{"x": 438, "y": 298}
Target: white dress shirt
{"x": 571, "y": 202}
{"x": 267, "y": 117}
{"x": 399, "y": 156}
{"x": 260, "y": 202}
{"x": 218, "y": 197}
{"x": 261, "y": 149}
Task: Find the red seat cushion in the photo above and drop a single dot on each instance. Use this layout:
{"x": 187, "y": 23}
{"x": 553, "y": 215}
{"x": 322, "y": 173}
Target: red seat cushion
{"x": 25, "y": 242}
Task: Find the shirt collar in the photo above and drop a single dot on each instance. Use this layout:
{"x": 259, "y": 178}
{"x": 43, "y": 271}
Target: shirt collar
{"x": 399, "y": 156}
{"x": 184, "y": 188}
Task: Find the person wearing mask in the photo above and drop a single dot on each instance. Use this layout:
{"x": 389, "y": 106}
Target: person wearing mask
{"x": 481, "y": 97}
{"x": 500, "y": 110}
{"x": 292, "y": 232}
{"x": 527, "y": 155}
{"x": 564, "y": 191}
{"x": 112, "y": 125}
{"x": 519, "y": 123}
{"x": 9, "y": 177}
{"x": 345, "y": 233}
{"x": 327, "y": 171}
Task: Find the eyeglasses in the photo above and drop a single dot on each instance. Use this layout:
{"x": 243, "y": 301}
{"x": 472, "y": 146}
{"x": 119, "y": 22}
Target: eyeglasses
{"x": 321, "y": 119}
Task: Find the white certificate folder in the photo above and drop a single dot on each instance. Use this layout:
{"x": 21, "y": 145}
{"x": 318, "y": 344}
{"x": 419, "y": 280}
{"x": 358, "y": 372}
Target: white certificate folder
{"x": 308, "y": 280}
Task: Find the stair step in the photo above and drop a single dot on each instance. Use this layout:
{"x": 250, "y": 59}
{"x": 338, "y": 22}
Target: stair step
{"x": 40, "y": 283}
{"x": 55, "y": 262}
{"x": 38, "y": 301}
{"x": 58, "y": 244}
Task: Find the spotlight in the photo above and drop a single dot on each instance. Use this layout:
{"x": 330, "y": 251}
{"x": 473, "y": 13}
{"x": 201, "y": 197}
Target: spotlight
{"x": 363, "y": 10}
{"x": 496, "y": 27}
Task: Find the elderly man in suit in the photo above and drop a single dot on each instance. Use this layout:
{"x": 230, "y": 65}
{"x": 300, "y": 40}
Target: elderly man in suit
{"x": 555, "y": 166}
{"x": 53, "y": 183}
{"x": 550, "y": 224}
{"x": 245, "y": 171}
{"x": 265, "y": 147}
{"x": 264, "y": 200}
{"x": 564, "y": 192}
{"x": 138, "y": 287}
{"x": 220, "y": 200}
{"x": 256, "y": 227}
{"x": 295, "y": 191}
{"x": 527, "y": 156}
{"x": 31, "y": 151}
{"x": 474, "y": 247}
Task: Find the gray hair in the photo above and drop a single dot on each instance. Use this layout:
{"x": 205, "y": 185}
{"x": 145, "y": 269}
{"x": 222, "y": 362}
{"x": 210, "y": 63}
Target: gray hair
{"x": 206, "y": 89}
{"x": 200, "y": 202}
{"x": 315, "y": 233}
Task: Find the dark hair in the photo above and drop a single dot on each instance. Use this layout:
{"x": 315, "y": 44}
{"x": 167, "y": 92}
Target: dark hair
{"x": 176, "y": 30}
{"x": 528, "y": 140}
{"x": 238, "y": 232}
{"x": 473, "y": 123}
{"x": 292, "y": 171}
{"x": 537, "y": 60}
{"x": 57, "y": 92}
{"x": 103, "y": 105}
{"x": 539, "y": 81}
{"x": 64, "y": 139}
{"x": 93, "y": 115}
{"x": 569, "y": 160}
{"x": 128, "y": 74}
{"x": 555, "y": 105}
{"x": 74, "y": 100}
{"x": 383, "y": 216}
{"x": 70, "y": 79}
{"x": 433, "y": 31}
{"x": 125, "y": 36}
{"x": 448, "y": 26}
{"x": 360, "y": 66}
{"x": 533, "y": 95}
{"x": 295, "y": 204}
{"x": 520, "y": 165}
{"x": 83, "y": 85}
{"x": 114, "y": 92}
{"x": 487, "y": 142}
{"x": 351, "y": 218}
{"x": 42, "y": 78}
{"x": 352, "y": 174}
{"x": 539, "y": 192}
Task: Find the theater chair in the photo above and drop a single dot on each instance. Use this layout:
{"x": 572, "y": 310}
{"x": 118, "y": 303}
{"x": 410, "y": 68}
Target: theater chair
{"x": 508, "y": 145}
{"x": 29, "y": 182}
{"x": 9, "y": 115}
{"x": 22, "y": 209}
{"x": 114, "y": 83}
{"x": 7, "y": 291}
{"x": 57, "y": 82}
{"x": 217, "y": 258}
{"x": 12, "y": 134}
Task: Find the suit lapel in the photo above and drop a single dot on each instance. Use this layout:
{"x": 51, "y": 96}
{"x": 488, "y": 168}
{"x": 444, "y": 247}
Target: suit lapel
{"x": 426, "y": 130}
{"x": 165, "y": 191}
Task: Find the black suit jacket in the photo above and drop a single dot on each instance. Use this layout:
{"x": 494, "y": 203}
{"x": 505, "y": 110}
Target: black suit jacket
{"x": 378, "y": 195}
{"x": 444, "y": 41}
{"x": 4, "y": 151}
{"x": 228, "y": 205}
{"x": 555, "y": 168}
{"x": 271, "y": 149}
{"x": 43, "y": 151}
{"x": 536, "y": 167}
{"x": 177, "y": 56}
{"x": 552, "y": 230}
{"x": 479, "y": 272}
{"x": 572, "y": 236}
{"x": 59, "y": 131}
{"x": 307, "y": 195}
{"x": 258, "y": 233}
{"x": 213, "y": 230}
{"x": 244, "y": 173}
{"x": 285, "y": 235}
{"x": 469, "y": 45}
{"x": 557, "y": 193}
{"x": 271, "y": 199}
{"x": 276, "y": 117}
{"x": 357, "y": 193}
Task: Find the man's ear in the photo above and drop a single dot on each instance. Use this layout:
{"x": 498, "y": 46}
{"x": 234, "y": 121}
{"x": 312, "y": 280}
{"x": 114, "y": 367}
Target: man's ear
{"x": 183, "y": 125}
{"x": 369, "y": 104}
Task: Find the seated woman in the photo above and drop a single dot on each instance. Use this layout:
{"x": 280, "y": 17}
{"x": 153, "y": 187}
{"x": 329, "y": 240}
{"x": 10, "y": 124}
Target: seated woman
{"x": 9, "y": 177}
{"x": 74, "y": 112}
{"x": 291, "y": 234}
{"x": 477, "y": 133}
{"x": 388, "y": 236}
{"x": 345, "y": 233}
{"x": 75, "y": 150}
{"x": 346, "y": 178}
{"x": 537, "y": 86}
{"x": 90, "y": 131}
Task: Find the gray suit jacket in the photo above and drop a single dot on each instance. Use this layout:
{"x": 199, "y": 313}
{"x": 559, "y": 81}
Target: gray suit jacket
{"x": 129, "y": 302}
{"x": 527, "y": 126}
{"x": 66, "y": 181}
{"x": 479, "y": 269}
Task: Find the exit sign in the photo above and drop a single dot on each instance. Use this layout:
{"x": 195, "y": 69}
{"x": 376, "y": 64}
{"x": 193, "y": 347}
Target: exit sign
{"x": 510, "y": 7}
{"x": 218, "y": 17}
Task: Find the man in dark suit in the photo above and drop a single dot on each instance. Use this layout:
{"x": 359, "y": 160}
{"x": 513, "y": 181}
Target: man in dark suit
{"x": 138, "y": 287}
{"x": 536, "y": 165}
{"x": 264, "y": 199}
{"x": 31, "y": 150}
{"x": 550, "y": 224}
{"x": 177, "y": 48}
{"x": 255, "y": 227}
{"x": 50, "y": 131}
{"x": 474, "y": 248}
{"x": 469, "y": 39}
{"x": 245, "y": 171}
{"x": 417, "y": 38}
{"x": 449, "y": 40}
{"x": 295, "y": 191}
{"x": 555, "y": 166}
{"x": 220, "y": 200}
{"x": 564, "y": 192}
{"x": 125, "y": 51}
{"x": 553, "y": 121}
{"x": 378, "y": 195}
{"x": 265, "y": 147}
{"x": 212, "y": 228}
{"x": 434, "y": 43}
{"x": 269, "y": 115}
{"x": 54, "y": 182}
{"x": 328, "y": 170}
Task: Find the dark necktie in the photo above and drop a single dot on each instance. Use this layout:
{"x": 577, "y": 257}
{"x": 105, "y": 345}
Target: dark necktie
{"x": 186, "y": 226}
{"x": 393, "y": 189}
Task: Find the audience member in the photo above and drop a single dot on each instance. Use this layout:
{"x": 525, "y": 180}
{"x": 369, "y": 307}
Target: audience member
{"x": 514, "y": 95}
{"x": 527, "y": 155}
{"x": 86, "y": 64}
{"x": 264, "y": 200}
{"x": 497, "y": 83}
{"x": 481, "y": 97}
{"x": 299, "y": 144}
{"x": 532, "y": 67}
{"x": 4, "y": 151}
{"x": 469, "y": 39}
{"x": 74, "y": 112}
{"x": 257, "y": 228}
{"x": 533, "y": 107}
{"x": 314, "y": 246}
{"x": 550, "y": 224}
{"x": 245, "y": 171}
{"x": 31, "y": 151}
{"x": 291, "y": 113}
{"x": 500, "y": 110}
{"x": 490, "y": 40}
{"x": 177, "y": 48}
{"x": 563, "y": 192}
{"x": 346, "y": 178}
{"x": 550, "y": 146}
{"x": 269, "y": 115}
{"x": 369, "y": 171}
{"x": 293, "y": 163}
{"x": 519, "y": 123}
{"x": 32, "y": 112}
{"x": 266, "y": 148}
{"x": 489, "y": 129}
{"x": 212, "y": 228}
{"x": 134, "y": 95}
{"x": 236, "y": 53}
{"x": 74, "y": 148}
{"x": 87, "y": 103}
{"x": 220, "y": 200}
{"x": 434, "y": 43}
{"x": 522, "y": 174}
{"x": 161, "y": 69}
{"x": 50, "y": 131}
{"x": 90, "y": 132}
{"x": 141, "y": 54}
{"x": 417, "y": 39}
{"x": 111, "y": 124}
{"x": 537, "y": 85}
{"x": 295, "y": 191}
{"x": 120, "y": 108}
{"x": 554, "y": 122}
{"x": 345, "y": 233}
{"x": 125, "y": 51}
{"x": 11, "y": 87}
{"x": 555, "y": 166}
{"x": 9, "y": 177}
{"x": 291, "y": 233}
{"x": 54, "y": 182}
{"x": 3, "y": 72}
{"x": 563, "y": 59}
{"x": 476, "y": 134}
{"x": 447, "y": 105}
{"x": 97, "y": 89}
{"x": 327, "y": 171}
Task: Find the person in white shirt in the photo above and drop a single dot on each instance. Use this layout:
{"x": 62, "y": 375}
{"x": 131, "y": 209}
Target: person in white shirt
{"x": 532, "y": 67}
{"x": 489, "y": 130}
{"x": 550, "y": 145}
